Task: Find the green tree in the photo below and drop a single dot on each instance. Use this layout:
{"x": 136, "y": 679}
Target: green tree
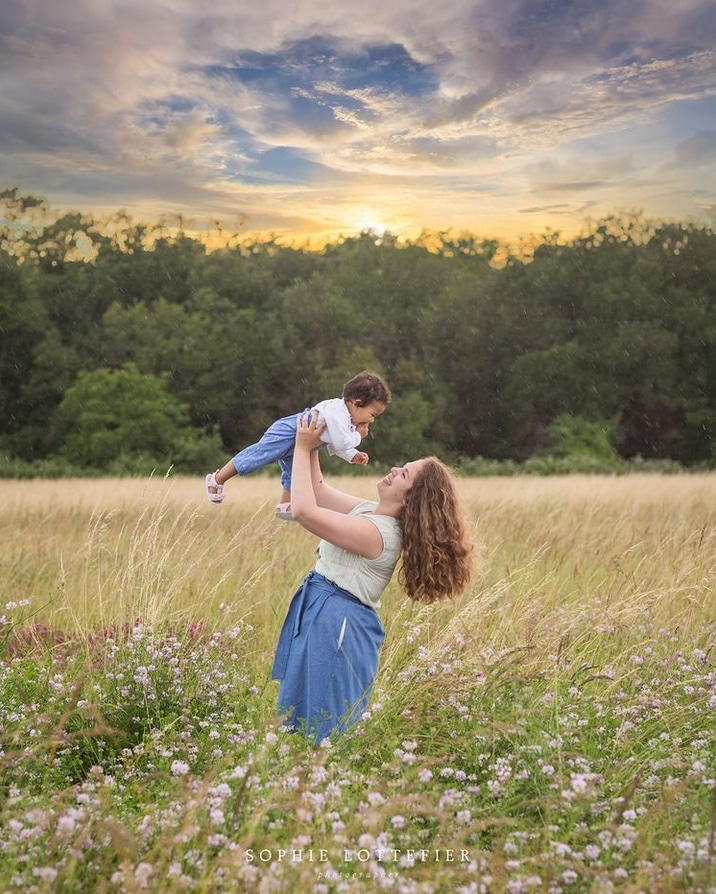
{"x": 401, "y": 433}
{"x": 574, "y": 437}
{"x": 22, "y": 324}
{"x": 483, "y": 360}
{"x": 123, "y": 419}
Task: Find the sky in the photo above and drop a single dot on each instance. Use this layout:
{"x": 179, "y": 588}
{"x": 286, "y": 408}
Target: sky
{"x": 313, "y": 120}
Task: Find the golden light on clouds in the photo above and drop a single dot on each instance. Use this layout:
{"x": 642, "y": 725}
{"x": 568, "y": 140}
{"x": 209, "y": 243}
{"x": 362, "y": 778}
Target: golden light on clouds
{"x": 496, "y": 119}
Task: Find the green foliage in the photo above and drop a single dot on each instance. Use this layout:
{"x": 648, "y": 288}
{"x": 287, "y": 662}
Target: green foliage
{"x": 23, "y": 320}
{"x": 401, "y": 432}
{"x": 122, "y": 420}
{"x": 618, "y": 324}
{"x": 574, "y": 437}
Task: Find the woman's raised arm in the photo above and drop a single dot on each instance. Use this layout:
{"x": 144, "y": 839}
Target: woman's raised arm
{"x": 322, "y": 509}
{"x": 326, "y": 496}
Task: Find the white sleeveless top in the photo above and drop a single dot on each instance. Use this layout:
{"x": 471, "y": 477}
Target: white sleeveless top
{"x": 365, "y": 578}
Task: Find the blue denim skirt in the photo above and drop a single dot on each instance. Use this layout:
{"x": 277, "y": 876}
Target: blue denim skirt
{"x": 326, "y": 658}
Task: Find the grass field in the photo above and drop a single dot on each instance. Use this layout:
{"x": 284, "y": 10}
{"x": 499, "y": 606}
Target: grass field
{"x": 554, "y": 730}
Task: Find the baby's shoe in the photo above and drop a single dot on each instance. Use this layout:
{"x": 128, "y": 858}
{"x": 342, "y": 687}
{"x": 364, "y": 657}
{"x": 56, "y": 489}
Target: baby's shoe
{"x": 217, "y": 494}
{"x": 283, "y": 511}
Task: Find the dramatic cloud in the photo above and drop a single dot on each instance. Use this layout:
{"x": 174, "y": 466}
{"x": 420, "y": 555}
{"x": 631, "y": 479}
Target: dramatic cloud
{"x": 316, "y": 118}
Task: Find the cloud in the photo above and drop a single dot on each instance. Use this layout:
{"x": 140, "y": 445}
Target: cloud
{"x": 697, "y": 150}
{"x": 573, "y": 173}
{"x": 205, "y": 105}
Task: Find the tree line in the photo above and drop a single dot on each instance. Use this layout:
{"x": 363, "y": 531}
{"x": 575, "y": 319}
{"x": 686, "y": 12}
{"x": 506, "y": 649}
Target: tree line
{"x": 124, "y": 343}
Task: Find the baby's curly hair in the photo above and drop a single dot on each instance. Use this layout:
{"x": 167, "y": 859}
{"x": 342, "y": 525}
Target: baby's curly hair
{"x": 437, "y": 552}
{"x": 367, "y": 387}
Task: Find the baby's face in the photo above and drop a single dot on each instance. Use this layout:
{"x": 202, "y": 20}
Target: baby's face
{"x": 362, "y": 417}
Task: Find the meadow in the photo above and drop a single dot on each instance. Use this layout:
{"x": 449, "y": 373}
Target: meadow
{"x": 553, "y": 730}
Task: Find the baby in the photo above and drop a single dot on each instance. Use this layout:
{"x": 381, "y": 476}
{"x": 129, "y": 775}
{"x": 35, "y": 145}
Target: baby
{"x": 347, "y": 419}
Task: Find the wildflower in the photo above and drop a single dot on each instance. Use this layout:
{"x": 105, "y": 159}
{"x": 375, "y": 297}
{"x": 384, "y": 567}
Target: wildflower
{"x": 407, "y": 757}
{"x": 66, "y": 823}
{"x": 319, "y": 774}
{"x": 579, "y": 782}
{"x": 56, "y": 683}
{"x": 179, "y": 768}
{"x": 143, "y": 873}
{"x": 141, "y": 676}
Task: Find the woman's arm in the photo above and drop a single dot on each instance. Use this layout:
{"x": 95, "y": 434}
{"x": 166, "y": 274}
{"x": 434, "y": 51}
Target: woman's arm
{"x": 321, "y": 509}
{"x": 327, "y": 496}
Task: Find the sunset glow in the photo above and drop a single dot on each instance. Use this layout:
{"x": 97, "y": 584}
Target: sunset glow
{"x": 325, "y": 119}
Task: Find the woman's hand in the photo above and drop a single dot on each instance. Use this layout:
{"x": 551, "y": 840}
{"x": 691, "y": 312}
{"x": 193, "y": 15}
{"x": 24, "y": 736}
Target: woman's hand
{"x": 308, "y": 431}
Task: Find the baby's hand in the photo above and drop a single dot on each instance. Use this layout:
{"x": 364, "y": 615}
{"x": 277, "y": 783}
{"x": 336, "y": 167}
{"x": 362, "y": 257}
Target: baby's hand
{"x": 360, "y": 459}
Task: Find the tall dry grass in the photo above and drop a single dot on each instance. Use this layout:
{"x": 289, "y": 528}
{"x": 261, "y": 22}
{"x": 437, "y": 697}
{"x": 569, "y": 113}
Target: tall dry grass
{"x": 559, "y": 557}
{"x": 555, "y": 557}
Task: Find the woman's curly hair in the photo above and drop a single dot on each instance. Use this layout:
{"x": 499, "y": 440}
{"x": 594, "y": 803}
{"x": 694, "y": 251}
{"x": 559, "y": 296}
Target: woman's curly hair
{"x": 437, "y": 552}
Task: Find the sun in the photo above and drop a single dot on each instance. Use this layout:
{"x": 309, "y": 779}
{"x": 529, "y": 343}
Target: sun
{"x": 369, "y": 220}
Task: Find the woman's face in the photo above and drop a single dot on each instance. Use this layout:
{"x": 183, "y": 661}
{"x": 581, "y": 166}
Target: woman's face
{"x": 395, "y": 485}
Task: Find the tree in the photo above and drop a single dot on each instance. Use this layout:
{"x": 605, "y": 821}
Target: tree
{"x": 123, "y": 419}
{"x": 482, "y": 358}
{"x": 22, "y": 324}
{"x": 574, "y": 437}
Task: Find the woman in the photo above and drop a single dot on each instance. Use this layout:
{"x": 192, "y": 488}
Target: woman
{"x": 327, "y": 654}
